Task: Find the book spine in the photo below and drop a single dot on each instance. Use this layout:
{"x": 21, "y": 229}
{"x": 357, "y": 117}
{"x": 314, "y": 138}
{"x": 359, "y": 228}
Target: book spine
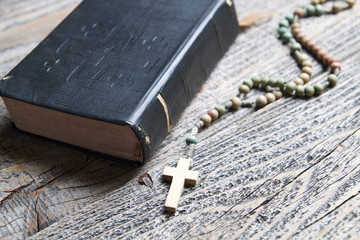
{"x": 179, "y": 83}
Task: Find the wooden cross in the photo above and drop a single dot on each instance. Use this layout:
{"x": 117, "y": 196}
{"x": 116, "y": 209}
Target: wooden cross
{"x": 178, "y": 176}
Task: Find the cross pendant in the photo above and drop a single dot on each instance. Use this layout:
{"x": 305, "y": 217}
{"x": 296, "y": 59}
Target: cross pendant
{"x": 178, "y": 176}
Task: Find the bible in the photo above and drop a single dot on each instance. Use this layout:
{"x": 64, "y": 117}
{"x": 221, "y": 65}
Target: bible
{"x": 115, "y": 76}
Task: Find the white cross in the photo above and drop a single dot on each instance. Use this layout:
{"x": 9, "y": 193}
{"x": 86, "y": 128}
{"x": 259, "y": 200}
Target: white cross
{"x": 178, "y": 176}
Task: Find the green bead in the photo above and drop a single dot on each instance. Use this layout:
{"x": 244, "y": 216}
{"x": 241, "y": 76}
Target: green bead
{"x": 220, "y": 109}
{"x": 248, "y": 83}
{"x": 264, "y": 81}
{"x": 191, "y": 140}
{"x": 290, "y": 87}
{"x": 256, "y": 81}
{"x": 333, "y": 79}
{"x": 272, "y": 82}
{"x": 244, "y": 89}
{"x": 299, "y": 90}
{"x": 319, "y": 9}
{"x": 305, "y": 12}
{"x": 281, "y": 83}
{"x": 282, "y": 30}
{"x": 295, "y": 47}
{"x": 290, "y": 18}
{"x": 311, "y": 10}
{"x": 284, "y": 23}
{"x": 318, "y": 89}
{"x": 286, "y": 37}
{"x": 309, "y": 91}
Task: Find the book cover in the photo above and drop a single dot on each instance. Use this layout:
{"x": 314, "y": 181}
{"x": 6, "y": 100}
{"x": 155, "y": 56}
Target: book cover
{"x": 119, "y": 73}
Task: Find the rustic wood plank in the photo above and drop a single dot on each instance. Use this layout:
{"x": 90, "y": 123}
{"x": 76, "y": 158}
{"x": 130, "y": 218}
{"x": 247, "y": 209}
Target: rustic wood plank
{"x": 289, "y": 170}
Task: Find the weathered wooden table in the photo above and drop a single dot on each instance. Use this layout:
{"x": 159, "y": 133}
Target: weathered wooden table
{"x": 289, "y": 170}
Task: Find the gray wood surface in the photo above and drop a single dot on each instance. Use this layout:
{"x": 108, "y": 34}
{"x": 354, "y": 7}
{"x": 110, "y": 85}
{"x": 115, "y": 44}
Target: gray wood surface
{"x": 290, "y": 170}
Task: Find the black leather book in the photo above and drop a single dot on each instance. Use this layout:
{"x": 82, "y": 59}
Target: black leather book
{"x": 115, "y": 75}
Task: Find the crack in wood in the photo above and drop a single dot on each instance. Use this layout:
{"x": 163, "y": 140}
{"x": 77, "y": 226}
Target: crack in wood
{"x": 13, "y": 192}
{"x": 328, "y": 213}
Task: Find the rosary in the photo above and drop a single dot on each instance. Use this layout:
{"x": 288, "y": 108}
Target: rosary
{"x": 290, "y": 33}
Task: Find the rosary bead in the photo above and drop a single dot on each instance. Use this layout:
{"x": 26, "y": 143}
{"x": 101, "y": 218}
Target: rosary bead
{"x": 315, "y": 49}
{"x": 244, "y": 89}
{"x": 213, "y": 114}
{"x": 272, "y": 82}
{"x": 336, "y": 7}
{"x": 305, "y": 40}
{"x": 264, "y": 81}
{"x": 256, "y": 81}
{"x": 301, "y": 57}
{"x": 306, "y": 63}
{"x": 278, "y": 94}
{"x": 314, "y": 2}
{"x": 295, "y": 25}
{"x": 191, "y": 140}
{"x": 299, "y": 90}
{"x": 299, "y": 81}
{"x": 236, "y": 102}
{"x": 206, "y": 119}
{"x": 220, "y": 109}
{"x": 310, "y": 45}
{"x": 335, "y": 65}
{"x": 295, "y": 47}
{"x": 299, "y": 12}
{"x": 311, "y": 10}
{"x": 261, "y": 101}
{"x": 284, "y": 23}
{"x": 290, "y": 87}
{"x": 321, "y": 54}
{"x": 305, "y": 11}
{"x": 309, "y": 91}
{"x": 318, "y": 89}
{"x": 307, "y": 70}
{"x": 351, "y": 3}
{"x": 286, "y": 37}
{"x": 296, "y": 31}
{"x": 300, "y": 36}
{"x": 333, "y": 79}
{"x": 280, "y": 83}
{"x": 326, "y": 59}
{"x": 270, "y": 98}
{"x": 248, "y": 83}
{"x": 332, "y": 60}
{"x": 319, "y": 9}
{"x": 282, "y": 30}
{"x": 305, "y": 77}
{"x": 290, "y": 19}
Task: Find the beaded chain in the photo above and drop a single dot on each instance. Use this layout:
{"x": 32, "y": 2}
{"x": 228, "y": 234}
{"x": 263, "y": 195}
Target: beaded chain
{"x": 290, "y": 33}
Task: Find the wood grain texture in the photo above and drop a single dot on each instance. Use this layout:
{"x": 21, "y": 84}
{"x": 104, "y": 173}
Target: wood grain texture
{"x": 290, "y": 170}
